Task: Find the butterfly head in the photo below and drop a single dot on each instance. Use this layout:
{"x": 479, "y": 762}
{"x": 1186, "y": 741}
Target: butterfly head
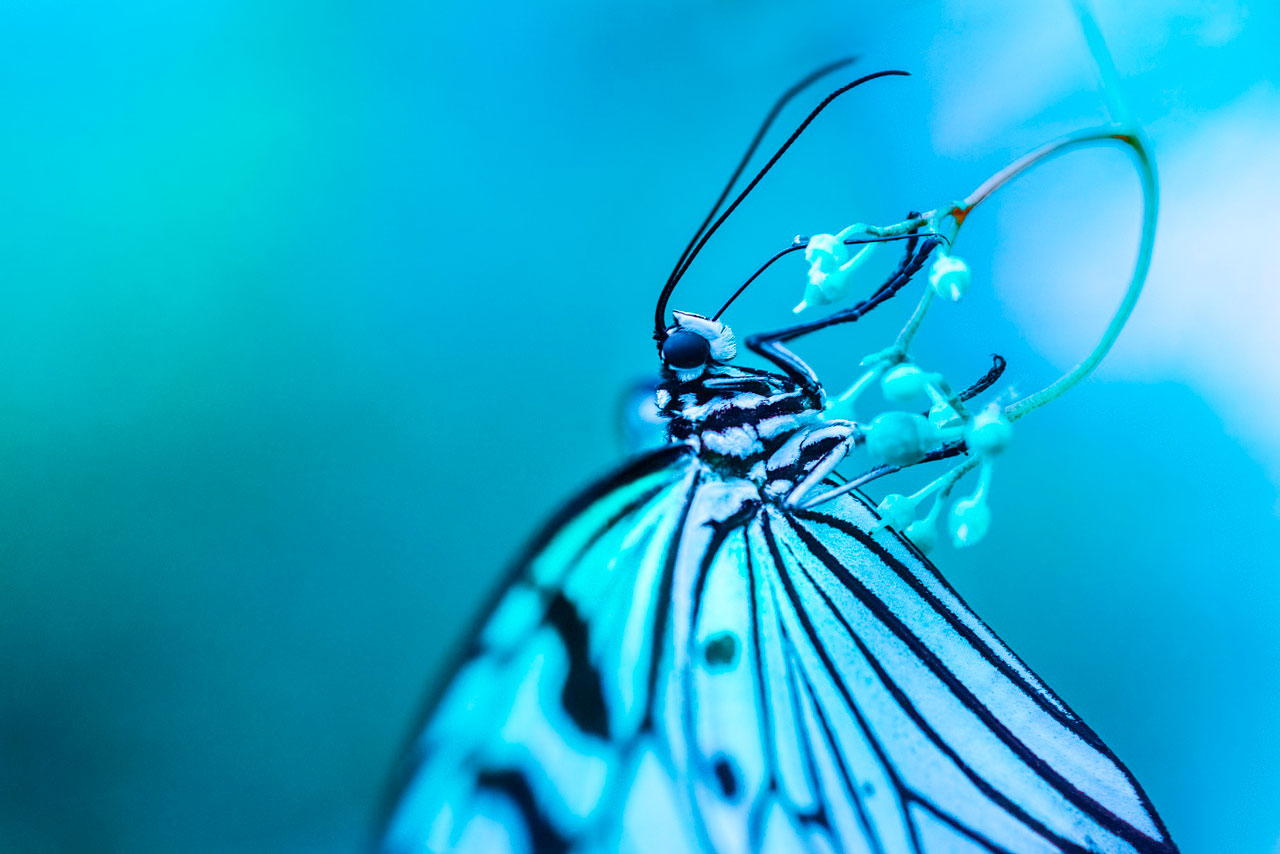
{"x": 694, "y": 343}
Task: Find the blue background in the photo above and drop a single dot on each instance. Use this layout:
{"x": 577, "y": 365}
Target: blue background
{"x": 312, "y": 311}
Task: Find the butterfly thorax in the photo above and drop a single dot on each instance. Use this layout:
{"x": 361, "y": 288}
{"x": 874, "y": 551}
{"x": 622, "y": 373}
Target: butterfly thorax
{"x": 744, "y": 423}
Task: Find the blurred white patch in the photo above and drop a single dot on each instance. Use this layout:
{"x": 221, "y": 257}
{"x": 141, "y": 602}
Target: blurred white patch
{"x": 1017, "y": 58}
{"x": 1013, "y": 59}
{"x": 1208, "y": 316}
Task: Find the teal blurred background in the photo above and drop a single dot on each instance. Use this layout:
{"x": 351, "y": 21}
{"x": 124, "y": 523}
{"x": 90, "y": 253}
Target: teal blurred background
{"x": 300, "y": 302}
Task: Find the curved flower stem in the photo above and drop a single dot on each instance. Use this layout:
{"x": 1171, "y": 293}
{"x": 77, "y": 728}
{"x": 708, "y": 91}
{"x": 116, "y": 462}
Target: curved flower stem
{"x": 1123, "y": 130}
{"x": 1135, "y": 140}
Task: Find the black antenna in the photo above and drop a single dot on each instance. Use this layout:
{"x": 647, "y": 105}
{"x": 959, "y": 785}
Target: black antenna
{"x": 802, "y": 242}
{"x": 751, "y": 150}
{"x": 676, "y": 274}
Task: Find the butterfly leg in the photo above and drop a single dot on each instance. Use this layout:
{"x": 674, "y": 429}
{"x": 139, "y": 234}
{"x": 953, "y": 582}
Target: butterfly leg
{"x": 815, "y": 455}
{"x": 772, "y": 345}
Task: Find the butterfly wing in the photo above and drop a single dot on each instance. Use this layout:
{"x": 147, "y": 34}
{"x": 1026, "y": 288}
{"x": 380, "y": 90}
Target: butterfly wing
{"x": 536, "y": 743}
{"x": 883, "y": 715}
{"x": 677, "y": 666}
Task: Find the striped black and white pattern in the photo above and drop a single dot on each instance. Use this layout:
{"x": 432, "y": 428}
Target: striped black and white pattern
{"x": 682, "y": 665}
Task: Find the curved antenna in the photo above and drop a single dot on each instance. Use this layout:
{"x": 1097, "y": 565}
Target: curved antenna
{"x": 660, "y": 315}
{"x": 801, "y": 243}
{"x": 794, "y": 247}
{"x": 774, "y": 111}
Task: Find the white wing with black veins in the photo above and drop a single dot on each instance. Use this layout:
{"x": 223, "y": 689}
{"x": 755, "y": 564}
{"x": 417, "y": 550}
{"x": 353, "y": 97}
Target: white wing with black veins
{"x": 679, "y": 667}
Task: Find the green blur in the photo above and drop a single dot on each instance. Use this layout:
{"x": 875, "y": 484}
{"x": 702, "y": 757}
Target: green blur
{"x": 311, "y": 312}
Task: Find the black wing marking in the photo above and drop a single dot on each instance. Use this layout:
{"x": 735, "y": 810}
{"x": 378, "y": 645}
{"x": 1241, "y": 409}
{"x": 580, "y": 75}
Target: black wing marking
{"x": 542, "y": 740}
{"x": 678, "y": 666}
{"x": 870, "y": 710}
{"x": 1005, "y": 734}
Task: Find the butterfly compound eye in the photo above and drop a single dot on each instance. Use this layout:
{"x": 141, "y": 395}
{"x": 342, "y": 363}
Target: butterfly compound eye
{"x": 685, "y": 350}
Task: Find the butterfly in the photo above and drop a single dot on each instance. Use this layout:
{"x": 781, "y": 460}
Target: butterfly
{"x": 725, "y": 647}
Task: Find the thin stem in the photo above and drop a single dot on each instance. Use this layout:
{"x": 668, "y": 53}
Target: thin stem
{"x": 946, "y": 482}
{"x": 1124, "y": 131}
{"x": 940, "y": 453}
{"x": 903, "y": 341}
{"x": 1151, "y": 202}
{"x": 1105, "y": 133}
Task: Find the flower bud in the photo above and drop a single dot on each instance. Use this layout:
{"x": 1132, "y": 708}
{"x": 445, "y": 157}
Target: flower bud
{"x": 897, "y": 511}
{"x": 949, "y": 277}
{"x": 989, "y": 434}
{"x": 900, "y": 438}
{"x": 923, "y": 534}
{"x": 904, "y": 383}
{"x": 968, "y": 521}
